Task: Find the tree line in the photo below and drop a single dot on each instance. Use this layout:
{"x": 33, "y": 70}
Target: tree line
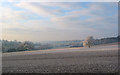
{"x": 90, "y": 41}
{"x": 14, "y": 46}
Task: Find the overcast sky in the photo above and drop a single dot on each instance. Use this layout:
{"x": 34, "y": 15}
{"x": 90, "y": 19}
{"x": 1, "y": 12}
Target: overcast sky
{"x": 56, "y": 21}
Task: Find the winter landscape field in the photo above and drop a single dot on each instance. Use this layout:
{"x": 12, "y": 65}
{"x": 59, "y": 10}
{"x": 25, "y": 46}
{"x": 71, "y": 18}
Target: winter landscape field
{"x": 59, "y": 37}
{"x": 97, "y": 59}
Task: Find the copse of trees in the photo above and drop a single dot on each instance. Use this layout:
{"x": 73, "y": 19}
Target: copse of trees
{"x": 9, "y": 46}
{"x": 27, "y": 45}
{"x": 14, "y": 46}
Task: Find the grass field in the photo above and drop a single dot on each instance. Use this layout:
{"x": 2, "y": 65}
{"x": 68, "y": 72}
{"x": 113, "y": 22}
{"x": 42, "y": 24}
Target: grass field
{"x": 98, "y": 59}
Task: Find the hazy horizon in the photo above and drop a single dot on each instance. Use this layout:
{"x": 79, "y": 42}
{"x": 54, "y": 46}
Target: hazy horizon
{"x": 56, "y": 40}
{"x": 58, "y": 21}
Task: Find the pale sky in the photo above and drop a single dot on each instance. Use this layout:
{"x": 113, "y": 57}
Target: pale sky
{"x": 57, "y": 21}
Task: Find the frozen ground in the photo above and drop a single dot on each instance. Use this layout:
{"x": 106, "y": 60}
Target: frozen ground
{"x": 73, "y": 60}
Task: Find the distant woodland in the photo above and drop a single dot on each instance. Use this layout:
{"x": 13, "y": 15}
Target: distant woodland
{"x": 15, "y": 46}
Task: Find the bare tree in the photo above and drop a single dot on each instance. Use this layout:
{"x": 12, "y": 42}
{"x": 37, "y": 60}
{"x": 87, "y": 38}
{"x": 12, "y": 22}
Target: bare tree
{"x": 89, "y": 41}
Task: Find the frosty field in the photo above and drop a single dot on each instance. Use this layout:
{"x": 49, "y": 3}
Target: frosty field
{"x": 98, "y": 59}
